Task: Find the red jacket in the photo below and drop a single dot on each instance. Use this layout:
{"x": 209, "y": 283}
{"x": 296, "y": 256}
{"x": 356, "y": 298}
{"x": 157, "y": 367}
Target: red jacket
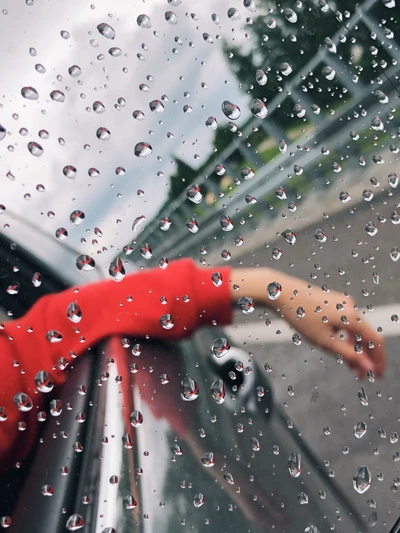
{"x": 131, "y": 307}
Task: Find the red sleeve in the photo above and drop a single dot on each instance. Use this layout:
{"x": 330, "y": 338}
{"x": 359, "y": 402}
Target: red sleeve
{"x": 131, "y": 307}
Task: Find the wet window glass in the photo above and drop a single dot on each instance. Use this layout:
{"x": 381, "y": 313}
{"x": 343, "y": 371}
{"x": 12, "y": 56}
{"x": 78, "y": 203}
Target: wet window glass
{"x": 199, "y": 282}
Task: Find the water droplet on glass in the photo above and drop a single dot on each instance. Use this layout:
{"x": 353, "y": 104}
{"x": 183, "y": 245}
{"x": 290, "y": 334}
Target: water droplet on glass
{"x": 247, "y": 173}
{"x": 208, "y": 459}
{"x": 117, "y": 270}
{"x": 74, "y": 71}
{"x": 170, "y": 17}
{"x": 23, "y": 402}
{"x": 69, "y": 172}
{"x": 258, "y": 108}
{"x": 371, "y": 229}
{"x": 29, "y": 93}
{"x": 344, "y": 197}
{"x": 320, "y": 235}
{"x": 137, "y": 222}
{"x": 157, "y": 106}
{"x": 360, "y": 430}
{"x": 231, "y": 111}
{"x": 35, "y": 149}
{"x": 37, "y": 279}
{"x": 217, "y": 391}
{"x": 193, "y": 193}
{"x": 362, "y": 395}
{"x": 211, "y": 122}
{"x": 136, "y": 418}
{"x": 328, "y": 72}
{"x": 57, "y": 96}
{"x": 298, "y": 170}
{"x": 143, "y": 21}
{"x": 255, "y": 444}
{"x": 47, "y": 490}
{"x": 44, "y": 381}
{"x": 61, "y": 234}
{"x": 74, "y": 313}
{"x": 294, "y": 464}
{"x": 226, "y": 223}
{"x": 247, "y": 305}
{"x": 167, "y": 322}
{"x": 289, "y": 235}
{"x": 290, "y": 15}
{"x": 233, "y": 14}
{"x": 208, "y": 38}
{"x": 220, "y": 170}
{"x": 98, "y": 107}
{"x": 143, "y": 149}
{"x": 3, "y": 132}
{"x": 106, "y": 30}
{"x": 285, "y": 68}
{"x": 274, "y": 290}
{"x": 198, "y": 500}
{"x": 85, "y": 262}
{"x": 189, "y": 389}
{"x": 261, "y": 77}
{"x": 362, "y": 479}
{"x": 394, "y": 254}
{"x": 129, "y": 502}
{"x": 220, "y": 347}
{"x": 77, "y": 217}
{"x": 54, "y": 336}
{"x": 103, "y": 134}
{"x": 75, "y": 522}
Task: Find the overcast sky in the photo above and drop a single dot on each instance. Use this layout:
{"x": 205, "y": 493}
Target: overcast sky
{"x": 109, "y": 197}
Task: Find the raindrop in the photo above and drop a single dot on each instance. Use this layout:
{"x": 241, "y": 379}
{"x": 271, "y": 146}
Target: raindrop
{"x": 129, "y": 502}
{"x": 74, "y": 313}
{"x": 23, "y": 402}
{"x": 37, "y": 279}
{"x": 30, "y": 93}
{"x": 164, "y": 223}
{"x": 65, "y": 34}
{"x": 143, "y": 21}
{"x": 280, "y": 193}
{"x": 77, "y": 217}
{"x": 394, "y": 254}
{"x": 315, "y": 109}
{"x": 360, "y": 430}
{"x": 255, "y": 444}
{"x": 115, "y": 52}
{"x": 344, "y": 197}
{"x": 282, "y": 146}
{"x": 54, "y": 336}
{"x": 167, "y": 322}
{"x": 362, "y": 395}
{"x": 69, "y": 172}
{"x": 198, "y": 500}
{"x": 136, "y": 418}
{"x": 298, "y": 170}
{"x": 85, "y": 263}
{"x": 208, "y": 38}
{"x": 220, "y": 347}
{"x": 61, "y": 234}
{"x": 3, "y": 132}
{"x": 247, "y": 173}
{"x": 330, "y": 45}
{"x": 157, "y": 106}
{"x": 246, "y": 305}
{"x": 189, "y": 389}
{"x": 231, "y": 111}
{"x": 233, "y": 13}
{"x": 274, "y": 290}
{"x": 393, "y": 180}
{"x": 208, "y": 459}
{"x": 328, "y": 72}
{"x": 211, "y": 122}
{"x": 193, "y": 193}
{"x": 44, "y": 381}
{"x": 377, "y": 124}
{"x": 103, "y": 134}
{"x": 258, "y": 108}
{"x": 146, "y": 251}
{"x": 117, "y": 270}
{"x": 192, "y": 225}
{"x": 217, "y": 391}
{"x": 47, "y": 490}
{"x": 289, "y": 235}
{"x": 106, "y": 30}
{"x": 261, "y": 77}
{"x": 290, "y": 15}
{"x": 143, "y": 149}
{"x": 138, "y": 115}
{"x": 320, "y": 235}
{"x": 220, "y": 170}
{"x": 57, "y": 96}
{"x": 285, "y": 68}
{"x": 75, "y": 71}
{"x": 371, "y": 229}
{"x": 98, "y": 107}
{"x": 170, "y": 17}
{"x": 226, "y": 223}
{"x": 176, "y": 449}
{"x": 35, "y": 149}
{"x": 362, "y": 479}
{"x": 381, "y": 97}
{"x": 75, "y": 522}
{"x": 294, "y": 464}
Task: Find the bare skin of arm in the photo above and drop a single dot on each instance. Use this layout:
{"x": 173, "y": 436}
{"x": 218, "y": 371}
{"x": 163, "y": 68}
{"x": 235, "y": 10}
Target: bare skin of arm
{"x": 331, "y": 320}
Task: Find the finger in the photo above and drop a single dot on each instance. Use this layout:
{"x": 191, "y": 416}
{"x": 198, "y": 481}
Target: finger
{"x": 357, "y": 360}
{"x": 373, "y": 346}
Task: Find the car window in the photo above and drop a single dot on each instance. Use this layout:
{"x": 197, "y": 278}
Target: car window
{"x": 261, "y": 140}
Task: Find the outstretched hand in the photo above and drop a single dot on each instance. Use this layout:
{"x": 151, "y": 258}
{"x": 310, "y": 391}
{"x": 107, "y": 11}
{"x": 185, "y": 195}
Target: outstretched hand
{"x": 329, "y": 319}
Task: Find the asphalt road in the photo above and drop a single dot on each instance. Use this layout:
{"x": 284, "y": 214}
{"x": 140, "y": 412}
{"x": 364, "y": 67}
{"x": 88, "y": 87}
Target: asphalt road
{"x": 326, "y": 393}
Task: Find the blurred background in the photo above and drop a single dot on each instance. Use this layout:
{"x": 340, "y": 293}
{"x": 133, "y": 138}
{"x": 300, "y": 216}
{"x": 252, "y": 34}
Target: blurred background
{"x": 157, "y": 130}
